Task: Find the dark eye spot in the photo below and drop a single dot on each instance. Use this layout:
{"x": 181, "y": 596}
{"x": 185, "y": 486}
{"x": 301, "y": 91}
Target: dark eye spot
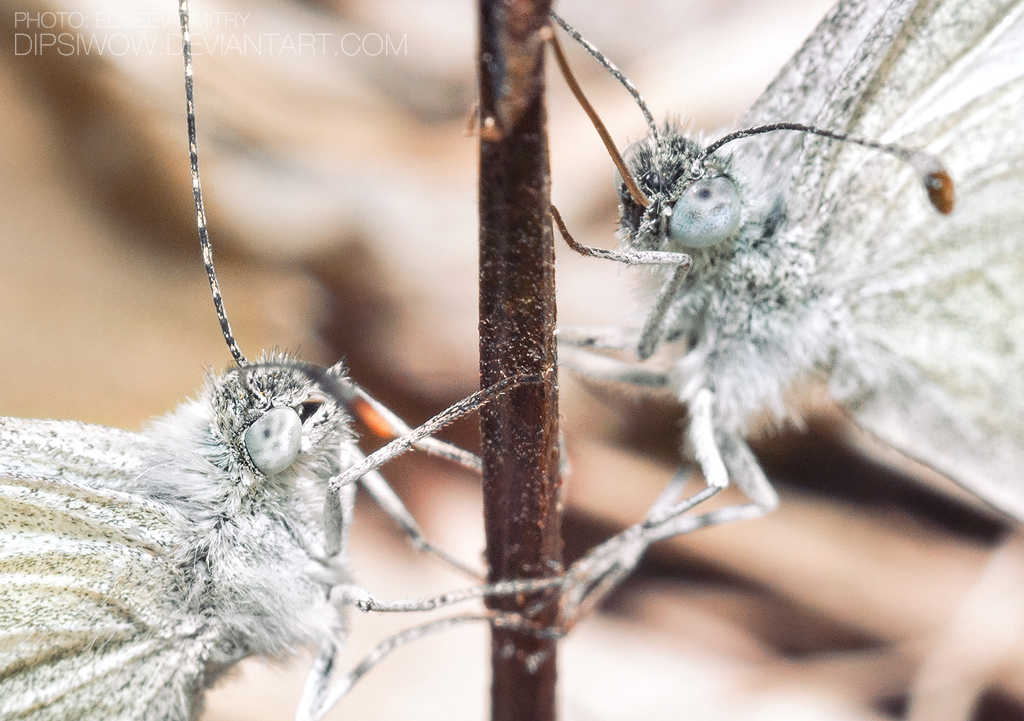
{"x": 704, "y": 193}
{"x": 308, "y": 409}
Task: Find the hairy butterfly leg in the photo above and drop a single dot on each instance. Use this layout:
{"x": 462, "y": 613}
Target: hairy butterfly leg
{"x": 428, "y": 428}
{"x": 598, "y": 337}
{"x": 382, "y": 421}
{"x": 598, "y": 367}
{"x": 654, "y": 326}
{"x": 385, "y": 647}
{"x": 338, "y": 514}
{"x": 388, "y": 425}
{"x": 339, "y": 508}
{"x": 720, "y": 456}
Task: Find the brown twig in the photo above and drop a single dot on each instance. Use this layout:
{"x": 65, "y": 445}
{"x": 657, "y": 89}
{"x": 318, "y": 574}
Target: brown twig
{"x": 517, "y": 323}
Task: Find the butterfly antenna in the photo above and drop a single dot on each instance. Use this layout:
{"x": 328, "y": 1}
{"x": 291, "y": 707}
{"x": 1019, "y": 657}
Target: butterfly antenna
{"x": 930, "y": 171}
{"x": 611, "y": 68}
{"x": 197, "y": 190}
{"x": 595, "y": 119}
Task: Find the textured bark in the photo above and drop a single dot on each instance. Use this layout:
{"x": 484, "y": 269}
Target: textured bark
{"x": 517, "y": 336}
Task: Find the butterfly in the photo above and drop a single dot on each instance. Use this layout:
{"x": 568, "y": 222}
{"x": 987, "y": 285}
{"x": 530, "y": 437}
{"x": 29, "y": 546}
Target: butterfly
{"x": 789, "y": 258}
{"x": 137, "y": 568}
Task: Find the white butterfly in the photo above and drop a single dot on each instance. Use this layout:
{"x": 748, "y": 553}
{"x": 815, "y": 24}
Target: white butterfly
{"x": 137, "y": 568}
{"x": 820, "y": 263}
{"x": 152, "y": 562}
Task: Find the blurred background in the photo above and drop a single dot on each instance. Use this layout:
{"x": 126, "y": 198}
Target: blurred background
{"x": 340, "y": 188}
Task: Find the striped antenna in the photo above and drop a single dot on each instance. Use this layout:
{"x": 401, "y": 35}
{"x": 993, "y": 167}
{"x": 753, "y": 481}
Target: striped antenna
{"x": 197, "y": 190}
{"x": 611, "y": 68}
{"x": 930, "y": 170}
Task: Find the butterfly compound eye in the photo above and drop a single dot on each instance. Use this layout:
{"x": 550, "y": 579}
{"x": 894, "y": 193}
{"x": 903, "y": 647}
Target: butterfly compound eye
{"x": 273, "y": 441}
{"x": 707, "y": 213}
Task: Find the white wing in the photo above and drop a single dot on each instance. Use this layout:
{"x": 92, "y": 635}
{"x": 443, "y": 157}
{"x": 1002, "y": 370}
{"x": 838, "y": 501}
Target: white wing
{"x": 931, "y": 357}
{"x": 85, "y": 628}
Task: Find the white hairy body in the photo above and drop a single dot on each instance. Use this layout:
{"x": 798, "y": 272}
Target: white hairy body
{"x": 136, "y": 568}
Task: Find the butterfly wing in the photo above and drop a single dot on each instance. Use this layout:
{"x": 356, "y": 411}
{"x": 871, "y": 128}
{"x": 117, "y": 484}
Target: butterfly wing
{"x": 817, "y": 86}
{"x": 931, "y": 347}
{"x": 85, "y": 629}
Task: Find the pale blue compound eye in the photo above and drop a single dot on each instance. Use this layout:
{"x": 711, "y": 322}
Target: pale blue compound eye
{"x": 707, "y": 213}
{"x": 273, "y": 441}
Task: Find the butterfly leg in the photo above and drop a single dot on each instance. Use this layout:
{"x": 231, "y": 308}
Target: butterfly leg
{"x": 428, "y": 428}
{"x": 599, "y": 337}
{"x": 386, "y": 498}
{"x": 721, "y": 456}
{"x": 654, "y": 326}
{"x": 314, "y": 694}
{"x": 386, "y": 424}
{"x": 339, "y": 507}
{"x": 338, "y": 513}
{"x": 744, "y": 471}
{"x": 318, "y": 698}
{"x": 596, "y": 366}
{"x": 385, "y": 647}
{"x": 644, "y": 342}
{"x": 591, "y": 578}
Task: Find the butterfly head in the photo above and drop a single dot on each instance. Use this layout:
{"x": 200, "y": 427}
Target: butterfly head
{"x": 278, "y": 414}
{"x": 694, "y": 203}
